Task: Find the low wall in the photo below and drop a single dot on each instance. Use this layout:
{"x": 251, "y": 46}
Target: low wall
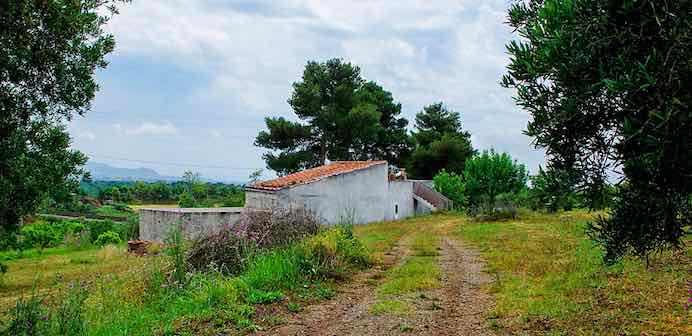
{"x": 155, "y": 223}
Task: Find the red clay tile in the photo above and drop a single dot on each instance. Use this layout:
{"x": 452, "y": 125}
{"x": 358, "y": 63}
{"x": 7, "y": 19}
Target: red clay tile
{"x": 314, "y": 174}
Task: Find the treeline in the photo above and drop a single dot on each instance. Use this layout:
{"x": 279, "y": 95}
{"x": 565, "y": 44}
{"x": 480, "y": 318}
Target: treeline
{"x": 164, "y": 192}
{"x": 197, "y": 194}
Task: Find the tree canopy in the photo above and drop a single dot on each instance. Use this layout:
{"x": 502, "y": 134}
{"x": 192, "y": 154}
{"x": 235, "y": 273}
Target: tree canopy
{"x": 607, "y": 87}
{"x": 490, "y": 174}
{"x": 341, "y": 117}
{"x": 440, "y": 142}
{"x": 49, "y": 51}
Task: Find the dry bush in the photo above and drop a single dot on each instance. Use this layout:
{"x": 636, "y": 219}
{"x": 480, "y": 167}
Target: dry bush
{"x": 227, "y": 251}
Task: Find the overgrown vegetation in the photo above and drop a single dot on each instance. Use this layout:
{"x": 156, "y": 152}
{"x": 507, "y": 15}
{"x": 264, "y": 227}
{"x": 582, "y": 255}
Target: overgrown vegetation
{"x": 226, "y": 250}
{"x": 164, "y": 297}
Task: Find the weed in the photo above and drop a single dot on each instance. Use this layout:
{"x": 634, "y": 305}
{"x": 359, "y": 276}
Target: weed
{"x": 404, "y": 327}
{"x": 390, "y": 307}
{"x": 256, "y": 296}
{"x": 175, "y": 249}
{"x": 28, "y": 317}
{"x": 293, "y": 307}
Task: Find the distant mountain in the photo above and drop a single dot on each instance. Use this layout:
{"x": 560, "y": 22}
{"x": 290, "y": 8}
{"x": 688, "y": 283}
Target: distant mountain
{"x": 104, "y": 172}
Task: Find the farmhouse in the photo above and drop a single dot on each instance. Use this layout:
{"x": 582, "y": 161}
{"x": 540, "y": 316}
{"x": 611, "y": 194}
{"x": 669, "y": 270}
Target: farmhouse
{"x": 357, "y": 192}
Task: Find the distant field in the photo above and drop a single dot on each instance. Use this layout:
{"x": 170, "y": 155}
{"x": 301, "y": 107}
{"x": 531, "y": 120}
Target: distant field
{"x": 139, "y": 206}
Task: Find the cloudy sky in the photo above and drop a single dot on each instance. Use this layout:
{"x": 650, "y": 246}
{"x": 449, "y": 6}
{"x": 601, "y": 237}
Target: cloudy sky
{"x": 191, "y": 81}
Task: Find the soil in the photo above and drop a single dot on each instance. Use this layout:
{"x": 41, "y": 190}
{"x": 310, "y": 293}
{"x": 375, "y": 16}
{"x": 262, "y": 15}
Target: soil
{"x": 458, "y": 307}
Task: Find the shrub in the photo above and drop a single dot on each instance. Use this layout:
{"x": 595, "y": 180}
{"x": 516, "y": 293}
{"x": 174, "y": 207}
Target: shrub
{"x": 40, "y": 236}
{"x": 506, "y": 205}
{"x": 97, "y": 227}
{"x": 451, "y": 186}
{"x": 187, "y": 200}
{"x": 331, "y": 253}
{"x": 108, "y": 237}
{"x": 227, "y": 250}
{"x": 223, "y": 251}
{"x": 277, "y": 226}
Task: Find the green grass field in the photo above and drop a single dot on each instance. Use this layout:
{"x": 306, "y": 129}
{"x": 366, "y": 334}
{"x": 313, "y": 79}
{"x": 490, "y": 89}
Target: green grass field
{"x": 549, "y": 278}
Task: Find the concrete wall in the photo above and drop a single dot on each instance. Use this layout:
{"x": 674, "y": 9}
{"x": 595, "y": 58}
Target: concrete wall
{"x": 258, "y": 199}
{"x": 361, "y": 195}
{"x": 400, "y": 200}
{"x": 155, "y": 224}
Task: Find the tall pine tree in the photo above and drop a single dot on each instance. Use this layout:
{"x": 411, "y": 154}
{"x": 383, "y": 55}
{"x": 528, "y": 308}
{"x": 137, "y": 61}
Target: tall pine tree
{"x": 440, "y": 142}
{"x": 341, "y": 117}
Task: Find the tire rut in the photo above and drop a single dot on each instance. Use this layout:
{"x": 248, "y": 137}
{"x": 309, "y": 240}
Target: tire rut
{"x": 457, "y": 307}
{"x": 349, "y": 312}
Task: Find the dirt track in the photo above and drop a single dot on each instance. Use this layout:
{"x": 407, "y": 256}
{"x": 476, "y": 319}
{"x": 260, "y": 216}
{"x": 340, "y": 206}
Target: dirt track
{"x": 458, "y": 307}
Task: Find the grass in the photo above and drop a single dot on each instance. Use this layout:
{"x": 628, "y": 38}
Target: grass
{"x": 419, "y": 271}
{"x": 390, "y": 307}
{"x": 53, "y": 266}
{"x": 109, "y": 210}
{"x": 551, "y": 279}
{"x": 136, "y": 296}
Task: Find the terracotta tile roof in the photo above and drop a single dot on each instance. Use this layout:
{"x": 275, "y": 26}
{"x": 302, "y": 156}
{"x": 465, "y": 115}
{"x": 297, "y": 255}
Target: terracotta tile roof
{"x": 314, "y": 174}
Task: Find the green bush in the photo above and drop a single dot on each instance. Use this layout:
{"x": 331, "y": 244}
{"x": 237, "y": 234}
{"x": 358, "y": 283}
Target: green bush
{"x": 488, "y": 175}
{"x": 108, "y": 237}
{"x": 187, "y": 200}
{"x": 451, "y": 186}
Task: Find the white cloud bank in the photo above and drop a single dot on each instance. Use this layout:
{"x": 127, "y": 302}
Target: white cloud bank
{"x": 149, "y": 128}
{"x": 248, "y": 53}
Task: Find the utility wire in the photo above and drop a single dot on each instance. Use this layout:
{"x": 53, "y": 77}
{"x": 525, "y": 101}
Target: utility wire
{"x": 177, "y": 164}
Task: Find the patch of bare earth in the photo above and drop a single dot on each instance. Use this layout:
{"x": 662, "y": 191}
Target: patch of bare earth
{"x": 458, "y": 307}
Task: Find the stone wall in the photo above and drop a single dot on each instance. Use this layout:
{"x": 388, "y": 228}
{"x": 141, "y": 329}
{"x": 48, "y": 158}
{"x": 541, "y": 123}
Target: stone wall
{"x": 156, "y": 223}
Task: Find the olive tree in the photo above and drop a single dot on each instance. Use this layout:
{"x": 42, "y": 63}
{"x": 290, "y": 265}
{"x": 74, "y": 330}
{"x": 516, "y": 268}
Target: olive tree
{"x": 607, "y": 84}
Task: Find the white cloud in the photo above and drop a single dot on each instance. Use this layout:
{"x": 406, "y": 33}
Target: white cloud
{"x": 149, "y": 128}
{"x": 248, "y": 53}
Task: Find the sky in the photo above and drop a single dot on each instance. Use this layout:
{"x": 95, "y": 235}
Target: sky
{"x": 190, "y": 82}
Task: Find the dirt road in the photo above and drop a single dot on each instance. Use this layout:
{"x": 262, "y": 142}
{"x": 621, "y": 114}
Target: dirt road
{"x": 456, "y": 306}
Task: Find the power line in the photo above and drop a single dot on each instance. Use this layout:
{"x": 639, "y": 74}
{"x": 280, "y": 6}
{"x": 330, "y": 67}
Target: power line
{"x": 177, "y": 164}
